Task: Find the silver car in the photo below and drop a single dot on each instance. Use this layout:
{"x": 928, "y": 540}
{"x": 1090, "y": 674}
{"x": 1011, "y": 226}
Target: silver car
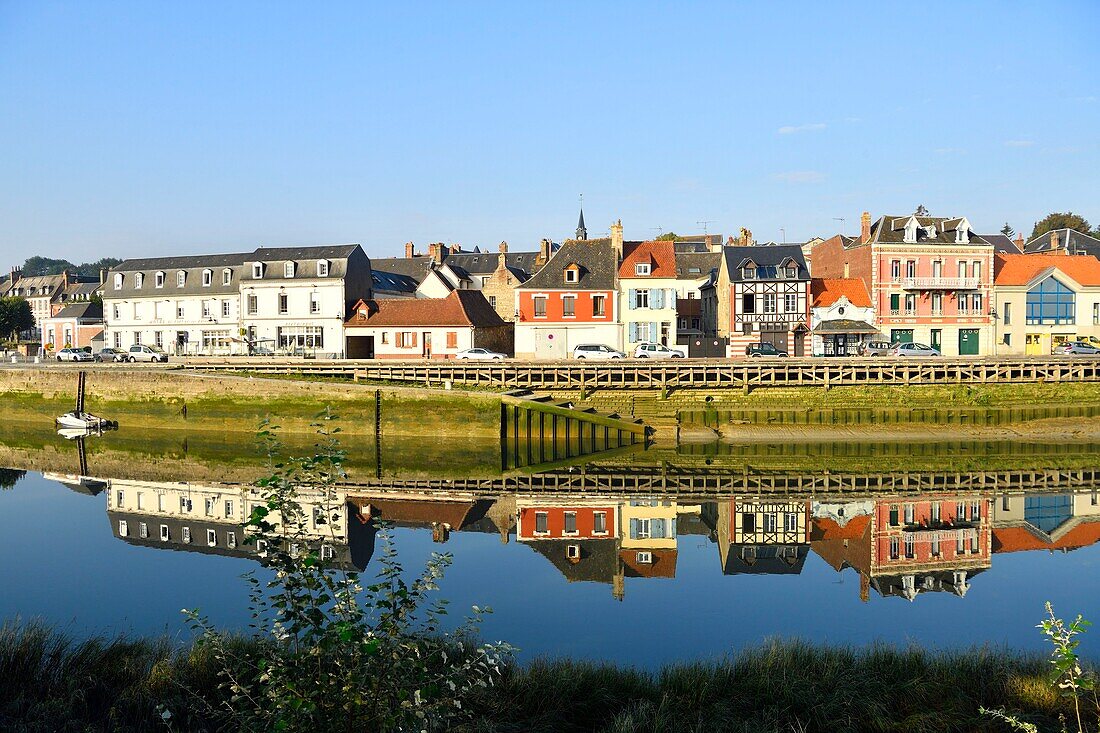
{"x": 1076, "y": 347}
{"x": 74, "y": 355}
{"x": 649, "y": 350}
{"x": 141, "y": 352}
{"x": 479, "y": 354}
{"x": 914, "y": 349}
{"x": 596, "y": 351}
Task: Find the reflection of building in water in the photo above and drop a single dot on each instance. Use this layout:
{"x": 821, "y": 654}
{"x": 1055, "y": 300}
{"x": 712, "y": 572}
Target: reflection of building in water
{"x": 442, "y": 515}
{"x": 1041, "y": 521}
{"x": 604, "y": 540}
{"x": 761, "y": 536}
{"x": 210, "y": 519}
{"x": 906, "y": 546}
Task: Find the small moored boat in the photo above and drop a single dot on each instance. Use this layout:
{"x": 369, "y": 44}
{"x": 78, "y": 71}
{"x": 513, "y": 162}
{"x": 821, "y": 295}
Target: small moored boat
{"x": 85, "y": 422}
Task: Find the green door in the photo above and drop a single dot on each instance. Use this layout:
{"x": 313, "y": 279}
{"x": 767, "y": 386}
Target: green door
{"x": 901, "y": 335}
{"x": 968, "y": 341}
{"x": 937, "y": 339}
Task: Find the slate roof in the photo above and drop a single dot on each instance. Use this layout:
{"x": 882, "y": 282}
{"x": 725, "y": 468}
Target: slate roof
{"x": 697, "y": 242}
{"x": 460, "y": 308}
{"x": 411, "y": 267}
{"x": 661, "y": 257}
{"x": 1070, "y": 240}
{"x": 598, "y": 264}
{"x": 522, "y": 264}
{"x": 825, "y": 291}
{"x": 305, "y": 259}
{"x": 891, "y": 230}
{"x": 599, "y": 560}
{"x": 86, "y": 310}
{"x": 1022, "y": 269}
{"x": 56, "y": 284}
{"x": 1001, "y": 243}
{"x": 769, "y": 560}
{"x": 769, "y": 258}
{"x": 392, "y": 283}
{"x": 696, "y": 265}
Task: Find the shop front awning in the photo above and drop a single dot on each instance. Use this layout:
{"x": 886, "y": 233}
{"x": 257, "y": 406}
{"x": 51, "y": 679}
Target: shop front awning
{"x": 844, "y": 325}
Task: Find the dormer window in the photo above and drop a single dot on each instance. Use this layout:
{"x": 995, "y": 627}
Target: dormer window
{"x": 159, "y": 280}
{"x": 258, "y": 270}
{"x": 911, "y": 231}
{"x": 118, "y": 281}
{"x": 748, "y": 272}
{"x": 181, "y": 279}
{"x": 641, "y": 269}
{"x": 931, "y": 231}
{"x": 962, "y": 234}
{"x": 207, "y": 278}
{"x": 138, "y": 280}
{"x": 791, "y": 271}
{"x": 288, "y": 269}
{"x": 572, "y": 274}
{"x": 322, "y": 268}
{"x": 227, "y": 276}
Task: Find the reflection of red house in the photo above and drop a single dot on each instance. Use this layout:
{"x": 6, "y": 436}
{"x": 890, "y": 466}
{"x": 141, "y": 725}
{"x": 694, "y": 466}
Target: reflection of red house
{"x": 567, "y": 522}
{"x": 1022, "y": 539}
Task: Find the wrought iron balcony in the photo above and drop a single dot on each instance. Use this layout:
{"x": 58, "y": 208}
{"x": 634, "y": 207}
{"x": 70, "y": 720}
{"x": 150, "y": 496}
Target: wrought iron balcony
{"x": 941, "y": 283}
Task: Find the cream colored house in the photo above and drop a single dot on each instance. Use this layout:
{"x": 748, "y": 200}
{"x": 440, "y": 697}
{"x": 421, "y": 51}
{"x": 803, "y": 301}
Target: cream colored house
{"x": 1042, "y": 300}
{"x": 648, "y": 290}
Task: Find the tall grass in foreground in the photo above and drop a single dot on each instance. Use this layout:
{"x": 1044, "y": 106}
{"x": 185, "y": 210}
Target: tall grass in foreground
{"x": 50, "y": 682}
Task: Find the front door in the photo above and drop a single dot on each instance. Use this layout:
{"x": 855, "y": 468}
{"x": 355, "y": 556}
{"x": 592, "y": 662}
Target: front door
{"x": 1033, "y": 344}
{"x": 427, "y": 352}
{"x": 968, "y": 341}
{"x": 937, "y": 339}
{"x": 841, "y": 340}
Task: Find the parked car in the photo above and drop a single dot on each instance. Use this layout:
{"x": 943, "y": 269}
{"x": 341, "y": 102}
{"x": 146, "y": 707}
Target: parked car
{"x": 764, "y": 348}
{"x": 111, "y": 355}
{"x": 141, "y": 352}
{"x": 73, "y": 355}
{"x": 1090, "y": 340}
{"x": 875, "y": 348}
{"x": 596, "y": 351}
{"x": 479, "y": 354}
{"x": 1076, "y": 347}
{"x": 913, "y": 349}
{"x": 649, "y": 350}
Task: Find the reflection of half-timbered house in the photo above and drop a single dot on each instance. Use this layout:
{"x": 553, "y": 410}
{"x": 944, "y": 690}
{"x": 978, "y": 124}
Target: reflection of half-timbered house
{"x": 760, "y": 294}
{"x": 756, "y": 536}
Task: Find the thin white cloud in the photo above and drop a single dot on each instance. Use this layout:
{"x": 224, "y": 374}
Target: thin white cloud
{"x": 949, "y": 151}
{"x": 809, "y": 126}
{"x": 1019, "y": 143}
{"x": 799, "y": 177}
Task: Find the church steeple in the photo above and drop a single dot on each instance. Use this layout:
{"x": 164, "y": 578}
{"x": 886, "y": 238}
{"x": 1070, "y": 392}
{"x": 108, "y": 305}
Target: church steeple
{"x": 582, "y": 233}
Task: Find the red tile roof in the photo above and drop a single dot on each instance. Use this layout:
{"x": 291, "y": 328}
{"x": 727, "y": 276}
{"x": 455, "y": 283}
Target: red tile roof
{"x": 825, "y": 292}
{"x": 460, "y": 308}
{"x": 1009, "y": 269}
{"x": 1021, "y": 539}
{"x": 661, "y": 255}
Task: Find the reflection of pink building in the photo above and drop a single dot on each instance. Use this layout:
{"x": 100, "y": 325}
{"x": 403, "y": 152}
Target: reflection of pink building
{"x": 567, "y": 522}
{"x": 930, "y": 279}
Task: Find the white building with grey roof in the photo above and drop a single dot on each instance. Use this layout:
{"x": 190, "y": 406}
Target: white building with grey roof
{"x": 287, "y": 300}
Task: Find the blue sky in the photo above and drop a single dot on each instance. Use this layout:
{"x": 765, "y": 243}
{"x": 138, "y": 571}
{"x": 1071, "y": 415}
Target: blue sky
{"x": 141, "y": 129}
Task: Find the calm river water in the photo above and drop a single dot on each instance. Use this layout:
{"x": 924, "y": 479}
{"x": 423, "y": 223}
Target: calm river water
{"x": 641, "y": 557}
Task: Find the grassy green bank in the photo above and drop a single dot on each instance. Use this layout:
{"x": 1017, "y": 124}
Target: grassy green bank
{"x": 49, "y": 682}
{"x": 159, "y": 399}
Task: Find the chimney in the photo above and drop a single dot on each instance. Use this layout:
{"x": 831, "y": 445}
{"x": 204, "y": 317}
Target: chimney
{"x": 864, "y": 588}
{"x": 65, "y": 278}
{"x": 865, "y": 227}
{"x": 544, "y": 253}
{"x": 103, "y": 276}
{"x": 455, "y": 248}
{"x": 617, "y": 238}
{"x": 1055, "y": 240}
{"x": 410, "y": 250}
{"x": 15, "y": 273}
{"x": 435, "y": 251}
{"x": 502, "y": 258}
{"x": 1020, "y": 242}
{"x": 503, "y": 247}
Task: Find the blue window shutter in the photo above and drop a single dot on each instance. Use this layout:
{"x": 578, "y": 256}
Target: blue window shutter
{"x": 631, "y": 298}
{"x": 671, "y": 298}
{"x": 653, "y": 332}
{"x": 633, "y": 529}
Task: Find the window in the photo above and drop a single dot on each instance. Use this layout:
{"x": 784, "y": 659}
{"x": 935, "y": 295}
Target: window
{"x": 118, "y": 339}
{"x": 120, "y": 498}
{"x": 211, "y": 537}
{"x": 569, "y": 306}
{"x": 158, "y": 280}
{"x": 895, "y": 303}
{"x": 643, "y": 558}
{"x": 910, "y": 549}
{"x": 158, "y": 339}
{"x": 1051, "y": 302}
{"x": 229, "y": 509}
{"x": 910, "y": 303}
{"x": 542, "y": 523}
{"x": 1006, "y": 311}
{"x": 123, "y": 529}
{"x": 976, "y": 512}
{"x": 322, "y": 268}
{"x": 284, "y": 304}
{"x": 181, "y": 279}
{"x": 641, "y": 269}
{"x": 977, "y": 270}
{"x": 748, "y": 522}
{"x": 790, "y": 522}
{"x": 937, "y": 304}
{"x": 771, "y": 521}
{"x": 208, "y": 507}
{"x": 116, "y": 311}
{"x": 253, "y": 305}
{"x": 406, "y": 339}
{"x": 230, "y": 539}
{"x": 492, "y": 301}
{"x": 160, "y": 502}
{"x": 895, "y": 548}
{"x": 570, "y": 523}
{"x": 452, "y": 339}
{"x": 910, "y": 514}
{"x": 314, "y": 303}
{"x": 187, "y": 535}
{"x": 791, "y": 272}
{"x": 598, "y": 306}
{"x": 895, "y": 270}
{"x": 790, "y": 303}
{"x": 974, "y": 542}
{"x": 179, "y": 309}
{"x": 225, "y": 309}
{"x": 976, "y": 304}
{"x": 303, "y": 337}
{"x": 540, "y": 306}
{"x": 911, "y": 268}
{"x": 641, "y": 298}
{"x": 962, "y": 269}
{"x": 935, "y": 511}
{"x": 769, "y": 302}
{"x": 137, "y": 338}
{"x": 258, "y": 270}
{"x": 118, "y": 281}
{"x": 261, "y": 547}
{"x": 327, "y": 552}
{"x": 937, "y": 269}
{"x": 207, "y": 278}
{"x": 935, "y": 545}
{"x": 164, "y": 534}
{"x": 288, "y": 269}
{"x": 205, "y": 309}
{"x": 748, "y": 303}
{"x": 143, "y": 530}
{"x": 385, "y": 337}
{"x": 572, "y": 274}
{"x": 185, "y": 505}
{"x": 748, "y": 273}
{"x": 227, "y": 276}
{"x": 1096, "y": 314}
{"x": 599, "y": 520}
{"x": 139, "y": 279}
